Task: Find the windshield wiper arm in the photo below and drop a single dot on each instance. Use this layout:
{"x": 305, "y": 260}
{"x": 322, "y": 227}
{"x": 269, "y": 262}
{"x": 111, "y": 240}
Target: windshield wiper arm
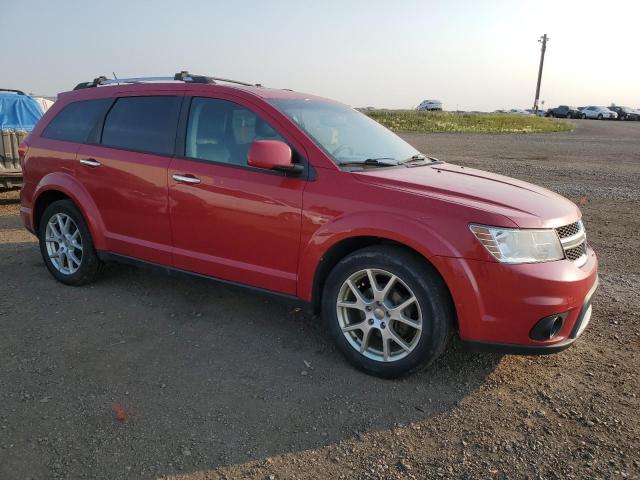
{"x": 374, "y": 162}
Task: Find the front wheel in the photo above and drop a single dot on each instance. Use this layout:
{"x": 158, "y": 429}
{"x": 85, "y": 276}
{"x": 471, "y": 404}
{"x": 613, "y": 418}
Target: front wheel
{"x": 388, "y": 310}
{"x": 66, "y": 244}
{"x": 600, "y": 117}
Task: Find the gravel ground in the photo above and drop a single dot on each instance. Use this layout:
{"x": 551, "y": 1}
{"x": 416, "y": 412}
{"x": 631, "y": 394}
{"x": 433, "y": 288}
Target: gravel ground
{"x": 146, "y": 376}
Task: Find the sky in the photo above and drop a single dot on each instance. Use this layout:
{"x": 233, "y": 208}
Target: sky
{"x": 471, "y": 55}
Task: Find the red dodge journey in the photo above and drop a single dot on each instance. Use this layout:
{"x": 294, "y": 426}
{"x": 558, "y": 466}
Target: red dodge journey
{"x": 310, "y": 199}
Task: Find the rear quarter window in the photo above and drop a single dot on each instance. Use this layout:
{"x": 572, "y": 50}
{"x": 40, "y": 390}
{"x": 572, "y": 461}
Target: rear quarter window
{"x": 145, "y": 124}
{"x": 75, "y": 121}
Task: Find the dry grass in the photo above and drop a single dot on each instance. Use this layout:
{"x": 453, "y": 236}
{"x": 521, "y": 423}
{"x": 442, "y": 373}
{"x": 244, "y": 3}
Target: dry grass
{"x": 420, "y": 121}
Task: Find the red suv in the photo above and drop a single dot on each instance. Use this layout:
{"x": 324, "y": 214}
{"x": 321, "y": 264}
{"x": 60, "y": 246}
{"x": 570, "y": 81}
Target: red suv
{"x": 306, "y": 198}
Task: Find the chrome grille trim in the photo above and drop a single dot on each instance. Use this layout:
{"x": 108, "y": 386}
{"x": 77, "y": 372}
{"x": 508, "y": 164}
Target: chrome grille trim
{"x": 574, "y": 242}
{"x": 568, "y": 230}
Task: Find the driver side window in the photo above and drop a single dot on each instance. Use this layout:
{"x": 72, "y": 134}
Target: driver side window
{"x": 222, "y": 131}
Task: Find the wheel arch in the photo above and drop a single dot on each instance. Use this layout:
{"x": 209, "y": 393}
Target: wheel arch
{"x": 346, "y": 246}
{"x": 45, "y": 199}
{"x": 60, "y": 186}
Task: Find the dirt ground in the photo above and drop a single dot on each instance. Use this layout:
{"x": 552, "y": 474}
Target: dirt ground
{"x": 142, "y": 375}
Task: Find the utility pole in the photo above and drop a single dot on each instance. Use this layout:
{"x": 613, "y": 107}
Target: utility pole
{"x": 543, "y": 39}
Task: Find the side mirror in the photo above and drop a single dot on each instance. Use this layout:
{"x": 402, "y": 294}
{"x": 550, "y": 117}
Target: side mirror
{"x": 272, "y": 155}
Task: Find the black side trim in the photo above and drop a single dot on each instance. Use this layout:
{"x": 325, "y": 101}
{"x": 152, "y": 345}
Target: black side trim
{"x": 116, "y": 257}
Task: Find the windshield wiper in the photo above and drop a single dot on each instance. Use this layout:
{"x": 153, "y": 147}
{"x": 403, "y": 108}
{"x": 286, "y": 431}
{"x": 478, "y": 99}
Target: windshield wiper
{"x": 419, "y": 157}
{"x": 372, "y": 162}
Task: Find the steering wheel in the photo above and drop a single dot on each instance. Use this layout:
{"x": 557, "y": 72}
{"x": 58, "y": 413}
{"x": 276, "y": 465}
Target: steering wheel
{"x": 341, "y": 148}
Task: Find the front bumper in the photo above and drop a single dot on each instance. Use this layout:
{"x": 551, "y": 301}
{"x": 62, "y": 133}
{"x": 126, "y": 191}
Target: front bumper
{"x": 498, "y": 305}
{"x": 584, "y": 317}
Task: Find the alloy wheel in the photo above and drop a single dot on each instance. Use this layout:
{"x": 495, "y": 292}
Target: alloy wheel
{"x": 379, "y": 315}
{"x": 64, "y": 243}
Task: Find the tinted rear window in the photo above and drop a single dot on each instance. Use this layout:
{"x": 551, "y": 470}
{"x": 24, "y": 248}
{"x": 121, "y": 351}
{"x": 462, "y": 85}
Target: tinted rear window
{"x": 75, "y": 121}
{"x": 146, "y": 124}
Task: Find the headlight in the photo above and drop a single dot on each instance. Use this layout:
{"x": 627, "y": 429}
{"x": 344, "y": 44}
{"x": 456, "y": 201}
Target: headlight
{"x": 511, "y": 245}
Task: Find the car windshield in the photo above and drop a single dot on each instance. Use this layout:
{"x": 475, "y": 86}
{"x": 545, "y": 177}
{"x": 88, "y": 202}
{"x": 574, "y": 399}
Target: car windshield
{"x": 347, "y": 135}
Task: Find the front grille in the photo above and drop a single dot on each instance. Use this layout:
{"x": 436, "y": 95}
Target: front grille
{"x": 574, "y": 242}
{"x": 575, "y": 253}
{"x": 568, "y": 230}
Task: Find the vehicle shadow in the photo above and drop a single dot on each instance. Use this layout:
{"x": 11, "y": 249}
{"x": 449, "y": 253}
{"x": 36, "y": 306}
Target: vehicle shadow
{"x": 161, "y": 375}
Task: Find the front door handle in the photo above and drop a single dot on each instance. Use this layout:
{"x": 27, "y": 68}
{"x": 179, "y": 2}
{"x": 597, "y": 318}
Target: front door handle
{"x": 186, "y": 179}
{"x": 90, "y": 162}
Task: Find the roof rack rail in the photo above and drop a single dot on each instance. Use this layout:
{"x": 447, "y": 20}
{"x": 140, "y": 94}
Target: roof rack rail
{"x": 182, "y": 76}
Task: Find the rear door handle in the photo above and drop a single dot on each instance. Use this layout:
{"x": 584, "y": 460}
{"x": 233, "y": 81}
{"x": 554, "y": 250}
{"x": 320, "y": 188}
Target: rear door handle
{"x": 186, "y": 179}
{"x": 90, "y": 162}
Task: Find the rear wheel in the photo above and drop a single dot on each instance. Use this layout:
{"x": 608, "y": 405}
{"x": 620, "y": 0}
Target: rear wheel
{"x": 66, "y": 244}
{"x": 388, "y": 311}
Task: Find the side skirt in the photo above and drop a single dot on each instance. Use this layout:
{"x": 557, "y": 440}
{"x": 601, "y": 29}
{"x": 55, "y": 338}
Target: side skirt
{"x": 171, "y": 271}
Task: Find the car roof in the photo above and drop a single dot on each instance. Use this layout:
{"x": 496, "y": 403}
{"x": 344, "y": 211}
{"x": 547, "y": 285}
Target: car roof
{"x": 193, "y": 88}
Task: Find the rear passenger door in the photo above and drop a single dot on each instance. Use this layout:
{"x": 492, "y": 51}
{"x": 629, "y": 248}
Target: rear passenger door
{"x": 230, "y": 220}
{"x": 124, "y": 168}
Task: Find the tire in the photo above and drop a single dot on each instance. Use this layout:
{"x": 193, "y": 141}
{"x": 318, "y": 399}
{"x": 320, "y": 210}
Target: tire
{"x": 583, "y": 116}
{"x": 600, "y": 116}
{"x": 77, "y": 242}
{"x": 568, "y": 114}
{"x": 431, "y": 308}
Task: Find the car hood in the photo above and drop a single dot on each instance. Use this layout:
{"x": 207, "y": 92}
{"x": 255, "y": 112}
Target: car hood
{"x": 525, "y": 204}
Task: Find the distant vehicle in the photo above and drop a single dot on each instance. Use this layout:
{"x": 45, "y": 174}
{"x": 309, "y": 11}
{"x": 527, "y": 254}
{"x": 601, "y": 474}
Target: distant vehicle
{"x": 519, "y": 111}
{"x": 565, "y": 111}
{"x": 19, "y": 113}
{"x": 431, "y": 105}
{"x": 601, "y": 113}
{"x": 625, "y": 113}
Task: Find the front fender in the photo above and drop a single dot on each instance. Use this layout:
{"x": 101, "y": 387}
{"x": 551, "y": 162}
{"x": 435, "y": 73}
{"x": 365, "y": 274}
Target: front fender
{"x": 67, "y": 184}
{"x": 401, "y": 229}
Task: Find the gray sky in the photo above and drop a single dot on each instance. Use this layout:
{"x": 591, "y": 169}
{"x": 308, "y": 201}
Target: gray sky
{"x": 468, "y": 54}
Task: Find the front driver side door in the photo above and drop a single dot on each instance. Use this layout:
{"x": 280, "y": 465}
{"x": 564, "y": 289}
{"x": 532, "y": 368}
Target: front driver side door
{"x": 230, "y": 220}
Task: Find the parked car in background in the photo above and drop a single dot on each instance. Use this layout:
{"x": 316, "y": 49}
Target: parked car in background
{"x": 519, "y": 111}
{"x": 625, "y": 113}
{"x": 19, "y": 114}
{"x": 600, "y": 113}
{"x": 564, "y": 111}
{"x": 152, "y": 171}
{"x": 430, "y": 105}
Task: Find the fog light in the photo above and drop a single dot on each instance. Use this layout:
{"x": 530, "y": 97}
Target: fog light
{"x": 548, "y": 327}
